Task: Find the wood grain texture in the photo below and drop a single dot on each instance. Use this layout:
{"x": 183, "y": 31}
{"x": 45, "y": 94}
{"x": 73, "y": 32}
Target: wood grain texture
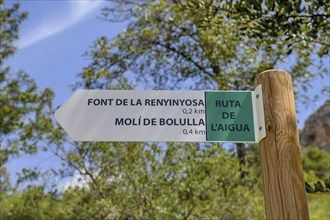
{"x": 284, "y": 186}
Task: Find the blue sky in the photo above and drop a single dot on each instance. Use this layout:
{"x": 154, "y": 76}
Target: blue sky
{"x": 53, "y": 40}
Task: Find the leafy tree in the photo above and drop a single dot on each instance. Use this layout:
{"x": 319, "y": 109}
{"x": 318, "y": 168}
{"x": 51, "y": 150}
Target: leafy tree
{"x": 211, "y": 44}
{"x": 177, "y": 181}
{"x": 293, "y": 23}
{"x": 10, "y": 20}
{"x": 32, "y": 204}
{"x": 317, "y": 161}
{"x": 22, "y": 105}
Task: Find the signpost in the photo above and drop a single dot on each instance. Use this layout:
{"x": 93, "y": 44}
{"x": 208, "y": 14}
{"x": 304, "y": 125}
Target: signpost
{"x": 282, "y": 170}
{"x": 199, "y": 116}
{"x": 189, "y": 116}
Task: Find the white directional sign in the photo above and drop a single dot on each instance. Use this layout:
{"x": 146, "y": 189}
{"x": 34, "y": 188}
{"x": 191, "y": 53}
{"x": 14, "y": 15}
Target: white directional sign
{"x": 189, "y": 116}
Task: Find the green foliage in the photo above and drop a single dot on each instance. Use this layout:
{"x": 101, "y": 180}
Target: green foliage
{"x": 31, "y": 204}
{"x": 318, "y": 187}
{"x": 316, "y": 164}
{"x": 210, "y": 44}
{"x": 290, "y": 21}
{"x": 10, "y": 19}
{"x": 23, "y": 108}
{"x": 316, "y": 160}
{"x": 178, "y": 181}
{"x": 319, "y": 206}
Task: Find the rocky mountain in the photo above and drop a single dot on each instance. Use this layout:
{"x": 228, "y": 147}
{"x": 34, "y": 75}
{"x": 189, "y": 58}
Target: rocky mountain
{"x": 316, "y": 131}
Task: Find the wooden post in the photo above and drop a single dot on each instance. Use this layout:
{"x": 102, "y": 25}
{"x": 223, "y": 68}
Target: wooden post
{"x": 284, "y": 186}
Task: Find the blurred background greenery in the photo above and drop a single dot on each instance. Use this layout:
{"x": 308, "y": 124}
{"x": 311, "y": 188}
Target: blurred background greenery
{"x": 191, "y": 44}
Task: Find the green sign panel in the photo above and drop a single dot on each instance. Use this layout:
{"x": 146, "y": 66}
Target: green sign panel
{"x": 229, "y": 116}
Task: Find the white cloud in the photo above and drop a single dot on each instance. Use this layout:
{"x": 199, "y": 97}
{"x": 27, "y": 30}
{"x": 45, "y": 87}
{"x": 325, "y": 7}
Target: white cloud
{"x": 77, "y": 180}
{"x": 82, "y": 181}
{"x": 77, "y": 12}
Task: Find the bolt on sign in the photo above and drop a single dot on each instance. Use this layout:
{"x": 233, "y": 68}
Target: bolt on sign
{"x": 178, "y": 116}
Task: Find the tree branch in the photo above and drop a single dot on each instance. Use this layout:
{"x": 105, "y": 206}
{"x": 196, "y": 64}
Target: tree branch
{"x": 185, "y": 56}
{"x": 313, "y": 40}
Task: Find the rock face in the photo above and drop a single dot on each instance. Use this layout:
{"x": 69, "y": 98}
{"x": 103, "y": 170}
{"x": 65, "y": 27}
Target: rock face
{"x": 316, "y": 130}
